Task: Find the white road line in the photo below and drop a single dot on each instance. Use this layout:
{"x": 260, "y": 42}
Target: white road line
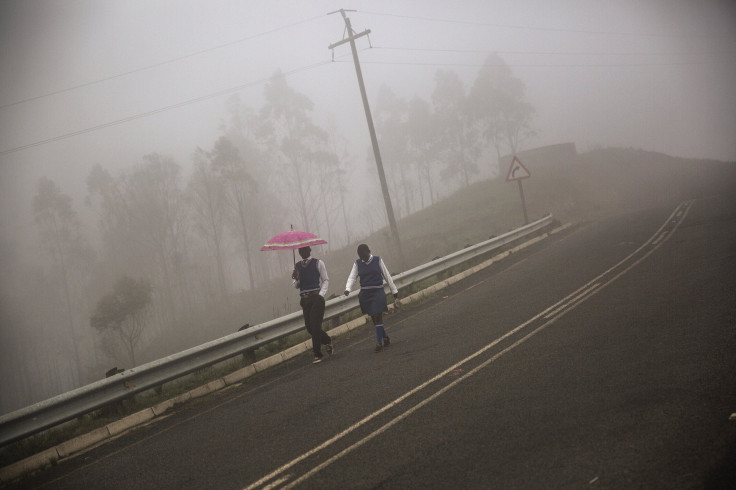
{"x": 660, "y": 238}
{"x": 573, "y": 301}
{"x": 563, "y": 306}
{"x": 276, "y": 483}
{"x": 421, "y": 404}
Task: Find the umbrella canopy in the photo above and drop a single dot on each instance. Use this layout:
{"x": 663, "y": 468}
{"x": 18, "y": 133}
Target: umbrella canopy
{"x": 292, "y": 240}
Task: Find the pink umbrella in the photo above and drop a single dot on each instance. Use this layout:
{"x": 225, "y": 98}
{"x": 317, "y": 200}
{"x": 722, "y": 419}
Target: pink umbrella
{"x": 292, "y": 240}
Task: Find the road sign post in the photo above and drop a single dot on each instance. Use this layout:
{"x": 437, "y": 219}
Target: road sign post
{"x": 518, "y": 172}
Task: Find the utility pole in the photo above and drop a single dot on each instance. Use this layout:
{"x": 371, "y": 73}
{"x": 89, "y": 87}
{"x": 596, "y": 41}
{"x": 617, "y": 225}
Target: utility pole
{"x": 374, "y": 141}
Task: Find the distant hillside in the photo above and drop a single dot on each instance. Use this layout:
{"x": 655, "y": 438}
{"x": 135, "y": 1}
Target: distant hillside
{"x": 586, "y": 187}
{"x": 611, "y": 181}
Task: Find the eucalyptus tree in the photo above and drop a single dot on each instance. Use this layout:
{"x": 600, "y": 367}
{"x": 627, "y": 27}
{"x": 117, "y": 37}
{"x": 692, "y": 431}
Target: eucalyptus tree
{"x": 242, "y": 190}
{"x": 498, "y": 100}
{"x": 145, "y": 225}
{"x": 61, "y": 237}
{"x": 458, "y": 133}
{"x": 296, "y": 146}
{"x": 207, "y": 193}
{"x": 266, "y": 207}
{"x": 326, "y": 205}
{"x": 338, "y": 145}
{"x": 422, "y": 140}
{"x": 391, "y": 116}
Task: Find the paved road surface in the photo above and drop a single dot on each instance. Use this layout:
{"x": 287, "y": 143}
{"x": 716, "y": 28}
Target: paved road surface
{"x": 603, "y": 358}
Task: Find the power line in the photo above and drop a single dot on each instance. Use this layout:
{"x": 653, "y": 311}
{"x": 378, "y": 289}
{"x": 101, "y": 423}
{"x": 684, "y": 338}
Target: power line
{"x": 533, "y": 28}
{"x": 554, "y": 53}
{"x": 248, "y": 38}
{"x": 549, "y": 53}
{"x": 315, "y": 65}
{"x": 519, "y": 65}
{"x": 156, "y": 65}
{"x": 156, "y": 111}
{"x": 242, "y": 86}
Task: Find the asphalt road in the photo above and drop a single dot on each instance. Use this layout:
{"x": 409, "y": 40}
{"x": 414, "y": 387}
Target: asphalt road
{"x": 601, "y": 358}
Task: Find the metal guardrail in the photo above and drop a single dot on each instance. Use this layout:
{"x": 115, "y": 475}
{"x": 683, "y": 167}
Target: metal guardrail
{"x": 54, "y": 411}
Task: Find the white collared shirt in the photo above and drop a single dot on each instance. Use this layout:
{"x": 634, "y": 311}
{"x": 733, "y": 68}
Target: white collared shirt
{"x": 384, "y": 270}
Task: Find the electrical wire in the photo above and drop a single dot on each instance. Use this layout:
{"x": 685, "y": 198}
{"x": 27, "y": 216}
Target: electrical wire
{"x": 698, "y": 61}
{"x": 363, "y": 62}
{"x": 554, "y": 53}
{"x": 309, "y": 67}
{"x": 532, "y": 28}
{"x": 156, "y": 65}
{"x": 248, "y": 38}
{"x": 519, "y": 65}
{"x": 157, "y": 111}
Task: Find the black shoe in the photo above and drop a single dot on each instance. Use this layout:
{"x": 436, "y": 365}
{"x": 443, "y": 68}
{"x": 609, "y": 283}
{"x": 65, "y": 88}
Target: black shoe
{"x": 328, "y": 349}
{"x": 316, "y": 360}
{"x": 386, "y": 341}
{"x": 379, "y": 347}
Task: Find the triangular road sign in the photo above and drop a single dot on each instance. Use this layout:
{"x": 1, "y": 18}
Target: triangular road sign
{"x": 517, "y": 171}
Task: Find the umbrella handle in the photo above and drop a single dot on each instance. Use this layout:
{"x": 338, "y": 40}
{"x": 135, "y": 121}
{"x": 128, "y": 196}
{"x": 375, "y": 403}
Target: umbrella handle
{"x": 293, "y": 254}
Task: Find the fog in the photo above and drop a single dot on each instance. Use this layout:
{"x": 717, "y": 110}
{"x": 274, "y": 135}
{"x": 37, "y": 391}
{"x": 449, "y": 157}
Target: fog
{"x": 118, "y": 84}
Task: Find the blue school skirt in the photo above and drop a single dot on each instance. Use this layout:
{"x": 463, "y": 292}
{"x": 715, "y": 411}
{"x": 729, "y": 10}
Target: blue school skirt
{"x": 372, "y": 301}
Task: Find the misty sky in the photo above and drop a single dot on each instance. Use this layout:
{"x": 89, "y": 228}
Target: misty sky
{"x": 132, "y": 77}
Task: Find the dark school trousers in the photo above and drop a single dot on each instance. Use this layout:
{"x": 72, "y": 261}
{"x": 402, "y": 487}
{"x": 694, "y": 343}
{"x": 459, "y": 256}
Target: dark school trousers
{"x": 313, "y": 309}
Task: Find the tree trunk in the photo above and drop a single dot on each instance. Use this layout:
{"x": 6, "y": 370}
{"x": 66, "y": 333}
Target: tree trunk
{"x": 246, "y": 240}
{"x": 70, "y": 316}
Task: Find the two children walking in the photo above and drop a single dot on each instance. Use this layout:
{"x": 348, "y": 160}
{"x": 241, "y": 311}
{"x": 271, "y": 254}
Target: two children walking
{"x": 310, "y": 276}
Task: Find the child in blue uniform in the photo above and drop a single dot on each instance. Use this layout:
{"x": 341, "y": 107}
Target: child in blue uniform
{"x": 372, "y": 272}
{"x": 310, "y": 276}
